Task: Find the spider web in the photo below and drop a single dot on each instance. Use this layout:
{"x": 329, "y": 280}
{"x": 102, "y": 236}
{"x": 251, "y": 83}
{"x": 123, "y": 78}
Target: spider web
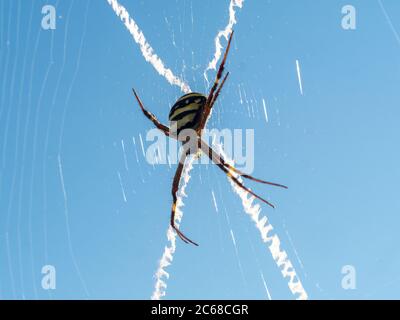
{"x": 38, "y": 95}
{"x": 279, "y": 256}
{"x": 30, "y": 96}
{"x": 77, "y": 193}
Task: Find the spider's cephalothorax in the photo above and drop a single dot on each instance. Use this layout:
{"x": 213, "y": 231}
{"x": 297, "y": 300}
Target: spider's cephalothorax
{"x": 192, "y": 111}
{"x": 186, "y": 112}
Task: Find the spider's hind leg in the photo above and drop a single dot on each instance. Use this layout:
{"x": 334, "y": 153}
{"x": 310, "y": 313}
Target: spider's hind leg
{"x": 175, "y": 187}
{"x": 217, "y": 160}
{"x": 241, "y": 185}
{"x": 215, "y": 157}
{"x": 247, "y": 176}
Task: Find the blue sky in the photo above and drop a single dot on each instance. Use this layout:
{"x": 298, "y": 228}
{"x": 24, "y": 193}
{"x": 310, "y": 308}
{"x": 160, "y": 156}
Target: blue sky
{"x": 66, "y": 105}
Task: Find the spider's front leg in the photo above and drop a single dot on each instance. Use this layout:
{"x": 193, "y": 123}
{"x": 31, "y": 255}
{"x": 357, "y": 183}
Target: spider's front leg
{"x": 175, "y": 187}
{"x": 151, "y": 116}
{"x": 213, "y": 94}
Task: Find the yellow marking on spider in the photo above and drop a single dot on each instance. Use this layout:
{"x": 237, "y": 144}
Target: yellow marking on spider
{"x": 189, "y": 107}
{"x": 186, "y": 119}
{"x": 198, "y": 154}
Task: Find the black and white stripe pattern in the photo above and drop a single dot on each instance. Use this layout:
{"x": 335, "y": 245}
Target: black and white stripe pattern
{"x": 186, "y": 112}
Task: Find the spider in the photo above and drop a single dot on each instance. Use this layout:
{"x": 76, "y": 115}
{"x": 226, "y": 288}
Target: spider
{"x": 192, "y": 111}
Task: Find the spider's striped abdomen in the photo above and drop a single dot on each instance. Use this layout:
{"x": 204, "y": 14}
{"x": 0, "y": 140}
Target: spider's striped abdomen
{"x": 186, "y": 112}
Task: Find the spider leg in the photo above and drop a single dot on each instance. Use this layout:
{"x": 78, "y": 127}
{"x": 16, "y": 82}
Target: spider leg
{"x": 234, "y": 179}
{"x": 175, "y": 187}
{"x": 151, "y": 116}
{"x": 213, "y": 101}
{"x": 218, "y": 90}
{"x": 208, "y": 104}
{"x": 207, "y": 149}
